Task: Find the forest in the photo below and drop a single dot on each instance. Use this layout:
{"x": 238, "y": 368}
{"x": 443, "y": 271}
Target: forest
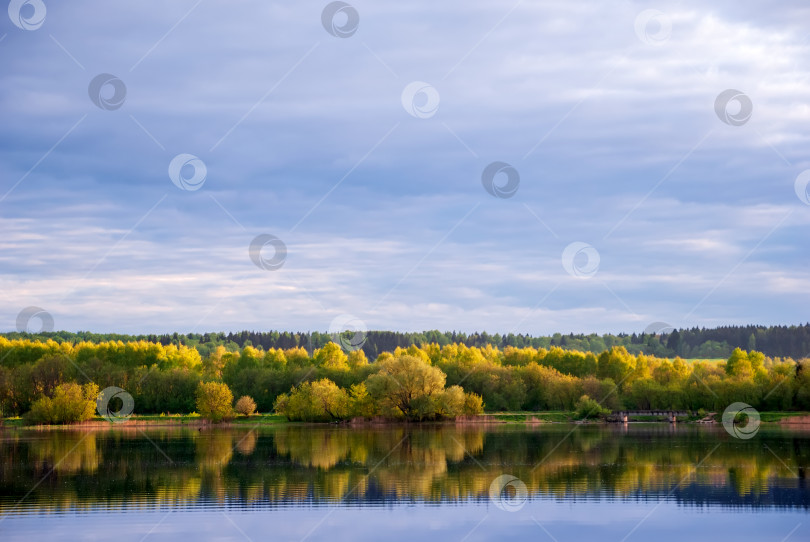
{"x": 661, "y": 341}
{"x": 416, "y": 382}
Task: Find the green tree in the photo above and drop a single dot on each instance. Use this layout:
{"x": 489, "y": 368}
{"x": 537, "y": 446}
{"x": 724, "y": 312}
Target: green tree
{"x": 321, "y": 400}
{"x": 214, "y": 401}
{"x": 360, "y": 402}
{"x": 473, "y": 405}
{"x": 275, "y": 359}
{"x": 331, "y": 357}
{"x": 616, "y": 364}
{"x": 604, "y": 391}
{"x": 48, "y": 373}
{"x": 589, "y": 408}
{"x": 449, "y": 403}
{"x": 357, "y": 359}
{"x": 803, "y": 384}
{"x": 172, "y": 390}
{"x": 403, "y": 383}
{"x": 330, "y": 399}
{"x": 70, "y": 403}
{"x": 739, "y": 365}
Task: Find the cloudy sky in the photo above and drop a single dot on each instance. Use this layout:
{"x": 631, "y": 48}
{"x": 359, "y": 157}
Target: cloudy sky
{"x": 629, "y": 186}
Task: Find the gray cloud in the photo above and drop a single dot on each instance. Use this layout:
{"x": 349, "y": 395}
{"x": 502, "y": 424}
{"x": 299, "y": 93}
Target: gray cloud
{"x": 304, "y": 137}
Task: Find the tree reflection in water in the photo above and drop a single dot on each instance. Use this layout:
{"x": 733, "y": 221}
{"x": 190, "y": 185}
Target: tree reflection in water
{"x": 311, "y": 464}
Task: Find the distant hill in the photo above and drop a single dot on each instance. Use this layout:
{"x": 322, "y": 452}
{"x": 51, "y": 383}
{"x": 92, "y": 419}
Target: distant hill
{"x": 773, "y": 341}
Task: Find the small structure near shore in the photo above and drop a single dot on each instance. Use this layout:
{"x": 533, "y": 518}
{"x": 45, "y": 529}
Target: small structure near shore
{"x": 623, "y": 416}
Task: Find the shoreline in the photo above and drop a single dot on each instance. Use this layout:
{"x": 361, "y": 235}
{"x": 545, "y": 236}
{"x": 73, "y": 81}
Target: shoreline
{"x": 796, "y": 419}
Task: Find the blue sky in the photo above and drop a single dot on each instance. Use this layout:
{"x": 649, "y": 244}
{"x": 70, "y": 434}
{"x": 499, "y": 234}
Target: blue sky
{"x": 606, "y": 112}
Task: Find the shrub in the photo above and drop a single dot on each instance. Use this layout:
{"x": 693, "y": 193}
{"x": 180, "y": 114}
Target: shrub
{"x": 214, "y": 401}
{"x": 589, "y": 408}
{"x": 245, "y": 405}
{"x": 70, "y": 403}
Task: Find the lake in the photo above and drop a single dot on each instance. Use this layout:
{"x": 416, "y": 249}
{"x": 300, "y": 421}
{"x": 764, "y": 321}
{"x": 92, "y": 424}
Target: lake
{"x": 431, "y": 482}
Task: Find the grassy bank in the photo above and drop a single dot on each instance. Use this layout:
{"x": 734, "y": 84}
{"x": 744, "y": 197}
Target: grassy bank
{"x": 158, "y": 420}
{"x": 507, "y": 417}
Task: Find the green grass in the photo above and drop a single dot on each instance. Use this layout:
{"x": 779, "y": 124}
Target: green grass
{"x": 516, "y": 417}
{"x": 175, "y": 419}
{"x": 12, "y": 422}
{"x": 263, "y": 419}
{"x": 526, "y": 416}
{"x": 183, "y": 419}
{"x": 778, "y": 416}
{"x": 169, "y": 418}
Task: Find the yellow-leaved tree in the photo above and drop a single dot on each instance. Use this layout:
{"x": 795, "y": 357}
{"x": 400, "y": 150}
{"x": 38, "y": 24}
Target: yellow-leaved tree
{"x": 214, "y": 401}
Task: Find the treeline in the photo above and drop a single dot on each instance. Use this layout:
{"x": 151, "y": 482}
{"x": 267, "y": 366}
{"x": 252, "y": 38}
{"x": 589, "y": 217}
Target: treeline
{"x": 697, "y": 343}
{"x": 165, "y": 378}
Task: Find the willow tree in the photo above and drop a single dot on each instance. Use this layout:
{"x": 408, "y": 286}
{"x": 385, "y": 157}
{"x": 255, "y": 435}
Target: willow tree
{"x": 406, "y": 384}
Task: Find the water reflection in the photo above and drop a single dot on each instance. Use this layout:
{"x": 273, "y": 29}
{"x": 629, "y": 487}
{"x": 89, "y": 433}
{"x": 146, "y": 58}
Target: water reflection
{"x": 292, "y": 465}
{"x": 65, "y": 453}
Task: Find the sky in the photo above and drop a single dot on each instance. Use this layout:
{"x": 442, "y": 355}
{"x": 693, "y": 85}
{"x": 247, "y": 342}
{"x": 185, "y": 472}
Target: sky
{"x": 525, "y": 167}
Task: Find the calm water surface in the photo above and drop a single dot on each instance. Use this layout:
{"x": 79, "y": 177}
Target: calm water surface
{"x": 639, "y": 482}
